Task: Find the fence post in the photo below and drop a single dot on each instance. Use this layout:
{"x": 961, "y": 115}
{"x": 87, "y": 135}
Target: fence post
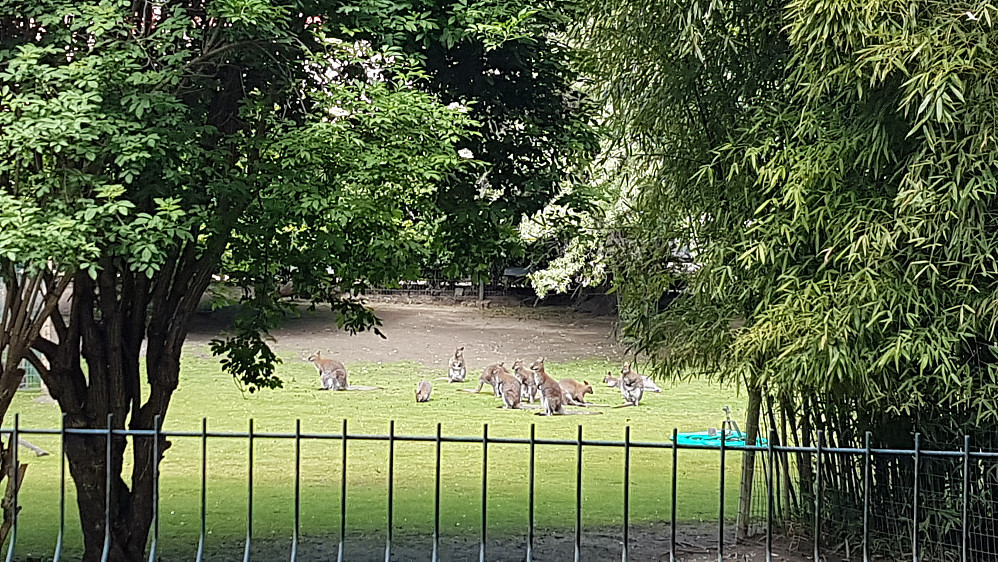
{"x": 578, "y": 498}
{"x": 15, "y": 484}
{"x": 297, "y": 530}
{"x": 204, "y": 487}
{"x": 436, "y": 502}
{"x": 672, "y": 507}
{"x": 818, "y": 492}
{"x": 485, "y": 488}
{"x": 627, "y": 489}
{"x": 249, "y": 496}
{"x": 155, "y": 489}
{"x": 530, "y": 494}
{"x": 62, "y": 490}
{"x": 914, "y": 507}
{"x": 866, "y": 498}
{"x": 107, "y": 492}
{"x": 966, "y": 498}
{"x": 720, "y": 515}
{"x": 391, "y": 489}
{"x": 770, "y": 457}
{"x": 341, "y": 550}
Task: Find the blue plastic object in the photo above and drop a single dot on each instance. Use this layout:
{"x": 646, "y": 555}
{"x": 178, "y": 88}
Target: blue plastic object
{"x": 704, "y": 439}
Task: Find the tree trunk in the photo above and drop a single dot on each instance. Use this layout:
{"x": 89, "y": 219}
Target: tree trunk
{"x": 748, "y": 464}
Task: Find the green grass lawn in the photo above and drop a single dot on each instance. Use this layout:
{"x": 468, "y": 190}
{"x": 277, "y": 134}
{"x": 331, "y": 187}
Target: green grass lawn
{"x": 207, "y": 392}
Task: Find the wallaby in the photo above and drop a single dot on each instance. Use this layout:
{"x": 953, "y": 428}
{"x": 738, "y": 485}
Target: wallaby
{"x": 509, "y": 389}
{"x": 423, "y": 391}
{"x": 631, "y": 385}
{"x": 528, "y": 387}
{"x": 332, "y": 373}
{"x": 552, "y": 396}
{"x": 575, "y": 392}
{"x": 457, "y": 370}
{"x": 649, "y": 385}
{"x": 489, "y": 376}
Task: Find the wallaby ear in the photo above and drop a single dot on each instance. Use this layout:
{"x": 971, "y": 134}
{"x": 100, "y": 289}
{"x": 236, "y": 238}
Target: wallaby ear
{"x": 585, "y": 382}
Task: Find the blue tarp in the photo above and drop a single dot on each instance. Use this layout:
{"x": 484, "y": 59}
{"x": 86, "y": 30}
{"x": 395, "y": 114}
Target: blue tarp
{"x": 704, "y": 439}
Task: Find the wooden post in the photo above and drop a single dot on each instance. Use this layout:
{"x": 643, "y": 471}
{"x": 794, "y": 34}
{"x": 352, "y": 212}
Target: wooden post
{"x": 748, "y": 464}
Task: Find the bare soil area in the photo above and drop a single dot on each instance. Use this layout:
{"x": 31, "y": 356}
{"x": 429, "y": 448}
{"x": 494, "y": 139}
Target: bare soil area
{"x": 429, "y": 333}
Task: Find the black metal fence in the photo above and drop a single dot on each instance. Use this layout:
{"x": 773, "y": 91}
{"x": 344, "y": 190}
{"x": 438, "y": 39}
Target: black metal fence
{"x": 977, "y": 470}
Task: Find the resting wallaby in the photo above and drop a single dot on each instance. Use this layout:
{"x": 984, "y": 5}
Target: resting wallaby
{"x": 528, "y": 387}
{"x": 509, "y": 389}
{"x": 631, "y": 385}
{"x": 423, "y": 391}
{"x": 332, "y": 373}
{"x": 552, "y": 396}
{"x": 457, "y": 370}
{"x": 649, "y": 385}
{"x": 575, "y": 392}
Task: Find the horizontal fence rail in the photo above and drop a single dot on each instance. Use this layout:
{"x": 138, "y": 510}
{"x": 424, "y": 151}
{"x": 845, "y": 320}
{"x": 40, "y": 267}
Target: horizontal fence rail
{"x": 769, "y": 453}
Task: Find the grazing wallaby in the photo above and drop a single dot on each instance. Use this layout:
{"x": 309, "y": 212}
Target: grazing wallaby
{"x": 575, "y": 392}
{"x": 332, "y": 373}
{"x": 457, "y": 370}
{"x": 631, "y": 385}
{"x": 611, "y": 380}
{"x": 509, "y": 389}
{"x": 552, "y": 396}
{"x": 528, "y": 387}
{"x": 423, "y": 391}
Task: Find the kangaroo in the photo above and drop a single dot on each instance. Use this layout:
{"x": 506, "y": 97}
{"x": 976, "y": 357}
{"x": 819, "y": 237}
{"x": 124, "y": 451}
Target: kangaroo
{"x": 423, "y": 391}
{"x": 611, "y": 380}
{"x": 332, "y": 373}
{"x": 631, "y": 385}
{"x": 527, "y": 385}
{"x": 509, "y": 389}
{"x": 457, "y": 370}
{"x": 575, "y": 392}
{"x": 552, "y": 396}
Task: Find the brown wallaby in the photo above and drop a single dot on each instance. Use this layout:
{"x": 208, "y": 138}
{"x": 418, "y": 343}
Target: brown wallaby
{"x": 490, "y": 376}
{"x": 528, "y": 387}
{"x": 552, "y": 396}
{"x": 423, "y": 391}
{"x": 509, "y": 389}
{"x": 332, "y": 373}
{"x": 611, "y": 380}
{"x": 575, "y": 392}
{"x": 631, "y": 385}
{"x": 649, "y": 385}
{"x": 457, "y": 370}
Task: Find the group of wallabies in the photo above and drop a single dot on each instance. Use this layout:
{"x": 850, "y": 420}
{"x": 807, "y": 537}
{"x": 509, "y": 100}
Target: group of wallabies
{"x": 514, "y": 387}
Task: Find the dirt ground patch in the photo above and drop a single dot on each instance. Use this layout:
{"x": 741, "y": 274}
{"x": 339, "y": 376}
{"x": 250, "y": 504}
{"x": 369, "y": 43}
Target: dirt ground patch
{"x": 429, "y": 333}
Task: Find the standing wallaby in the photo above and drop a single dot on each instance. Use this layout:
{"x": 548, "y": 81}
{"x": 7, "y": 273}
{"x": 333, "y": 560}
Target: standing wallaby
{"x": 575, "y": 392}
{"x": 457, "y": 370}
{"x": 332, "y": 373}
{"x": 528, "y": 387}
{"x": 631, "y": 385}
{"x": 509, "y": 389}
{"x": 552, "y": 396}
{"x": 423, "y": 391}
{"x": 490, "y": 376}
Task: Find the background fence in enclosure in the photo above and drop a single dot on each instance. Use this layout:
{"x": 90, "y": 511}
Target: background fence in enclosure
{"x": 952, "y": 518}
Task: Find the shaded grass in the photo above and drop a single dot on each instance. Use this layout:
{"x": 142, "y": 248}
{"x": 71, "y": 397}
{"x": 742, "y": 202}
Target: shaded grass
{"x": 207, "y": 392}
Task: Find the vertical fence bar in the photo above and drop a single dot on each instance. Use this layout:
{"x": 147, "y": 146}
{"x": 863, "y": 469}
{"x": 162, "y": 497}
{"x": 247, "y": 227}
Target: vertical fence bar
{"x": 436, "y": 503}
{"x": 249, "y": 497}
{"x": 107, "y": 492}
{"x": 578, "y": 498}
{"x": 720, "y": 514}
{"x": 530, "y": 498}
{"x": 62, "y": 490}
{"x": 866, "y": 497}
{"x": 155, "y": 489}
{"x": 627, "y": 490}
{"x": 672, "y": 507}
{"x": 14, "y": 483}
{"x": 914, "y": 501}
{"x": 817, "y": 497}
{"x": 297, "y": 530}
{"x": 391, "y": 489}
{"x": 965, "y": 499}
{"x": 202, "y": 534}
{"x": 485, "y": 488}
{"x": 770, "y": 508}
{"x": 341, "y": 550}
